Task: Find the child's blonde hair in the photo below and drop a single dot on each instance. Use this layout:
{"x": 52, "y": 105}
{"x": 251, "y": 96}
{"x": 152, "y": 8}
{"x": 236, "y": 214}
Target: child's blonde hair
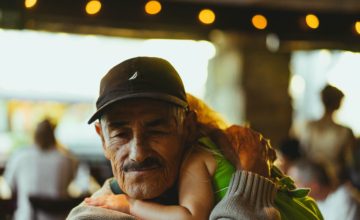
{"x": 205, "y": 114}
{"x": 211, "y": 124}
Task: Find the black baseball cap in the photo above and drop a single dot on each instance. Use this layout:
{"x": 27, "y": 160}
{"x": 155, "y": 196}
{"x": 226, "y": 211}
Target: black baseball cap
{"x": 140, "y": 77}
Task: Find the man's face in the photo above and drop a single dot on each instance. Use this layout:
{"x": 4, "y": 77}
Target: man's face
{"x": 144, "y": 140}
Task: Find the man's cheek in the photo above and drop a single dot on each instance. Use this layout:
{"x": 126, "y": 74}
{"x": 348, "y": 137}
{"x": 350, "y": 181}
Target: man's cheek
{"x": 116, "y": 166}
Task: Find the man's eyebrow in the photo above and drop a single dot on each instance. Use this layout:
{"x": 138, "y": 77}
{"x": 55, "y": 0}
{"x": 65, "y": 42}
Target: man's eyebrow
{"x": 158, "y": 122}
{"x": 118, "y": 124}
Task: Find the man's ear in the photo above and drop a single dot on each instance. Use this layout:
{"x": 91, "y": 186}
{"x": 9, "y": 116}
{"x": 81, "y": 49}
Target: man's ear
{"x": 99, "y": 131}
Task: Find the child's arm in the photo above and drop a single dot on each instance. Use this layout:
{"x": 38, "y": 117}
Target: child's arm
{"x": 195, "y": 193}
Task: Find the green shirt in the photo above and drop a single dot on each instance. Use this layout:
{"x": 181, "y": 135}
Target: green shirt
{"x": 224, "y": 170}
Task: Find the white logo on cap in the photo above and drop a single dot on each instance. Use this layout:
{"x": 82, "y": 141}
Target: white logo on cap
{"x": 133, "y": 76}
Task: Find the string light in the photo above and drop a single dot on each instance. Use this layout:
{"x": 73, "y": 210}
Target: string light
{"x": 207, "y": 16}
{"x": 259, "y": 21}
{"x": 30, "y": 3}
{"x": 357, "y": 27}
{"x": 153, "y": 7}
{"x": 93, "y": 7}
{"x": 312, "y": 21}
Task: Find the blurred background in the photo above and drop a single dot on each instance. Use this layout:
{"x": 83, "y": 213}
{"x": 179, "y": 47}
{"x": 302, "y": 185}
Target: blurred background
{"x": 260, "y": 63}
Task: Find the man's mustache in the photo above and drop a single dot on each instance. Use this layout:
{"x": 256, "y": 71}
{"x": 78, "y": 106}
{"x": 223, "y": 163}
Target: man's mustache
{"x": 147, "y": 164}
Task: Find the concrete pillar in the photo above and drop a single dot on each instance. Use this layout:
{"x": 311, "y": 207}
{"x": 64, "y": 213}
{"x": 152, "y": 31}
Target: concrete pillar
{"x": 249, "y": 84}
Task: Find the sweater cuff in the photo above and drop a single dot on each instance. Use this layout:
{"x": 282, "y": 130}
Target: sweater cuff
{"x": 257, "y": 190}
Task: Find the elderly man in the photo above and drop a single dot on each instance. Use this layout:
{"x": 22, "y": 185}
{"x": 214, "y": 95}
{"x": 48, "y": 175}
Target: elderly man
{"x": 145, "y": 127}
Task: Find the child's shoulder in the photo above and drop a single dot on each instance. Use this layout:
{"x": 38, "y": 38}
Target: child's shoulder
{"x": 201, "y": 152}
{"x": 201, "y": 157}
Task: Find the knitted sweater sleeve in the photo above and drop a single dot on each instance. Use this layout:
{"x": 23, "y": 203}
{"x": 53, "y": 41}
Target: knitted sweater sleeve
{"x": 250, "y": 197}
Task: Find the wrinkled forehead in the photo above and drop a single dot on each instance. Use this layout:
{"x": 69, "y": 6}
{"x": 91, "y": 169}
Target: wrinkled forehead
{"x": 142, "y": 109}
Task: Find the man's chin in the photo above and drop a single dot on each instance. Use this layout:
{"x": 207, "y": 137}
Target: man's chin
{"x": 142, "y": 186}
{"x": 144, "y": 192}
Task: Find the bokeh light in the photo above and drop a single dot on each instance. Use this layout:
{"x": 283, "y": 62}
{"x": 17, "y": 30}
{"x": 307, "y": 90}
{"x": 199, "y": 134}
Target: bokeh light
{"x": 30, "y": 3}
{"x": 93, "y": 7}
{"x": 357, "y": 27}
{"x": 259, "y": 21}
{"x": 207, "y": 16}
{"x": 153, "y": 7}
{"x": 312, "y": 21}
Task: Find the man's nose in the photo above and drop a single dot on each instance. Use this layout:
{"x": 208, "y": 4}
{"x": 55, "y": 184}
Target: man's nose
{"x": 138, "y": 149}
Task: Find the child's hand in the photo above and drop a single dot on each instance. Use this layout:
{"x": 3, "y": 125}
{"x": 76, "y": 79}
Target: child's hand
{"x": 115, "y": 202}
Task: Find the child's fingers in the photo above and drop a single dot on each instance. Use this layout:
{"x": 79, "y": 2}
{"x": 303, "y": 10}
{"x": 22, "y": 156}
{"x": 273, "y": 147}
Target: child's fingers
{"x": 114, "y": 202}
{"x": 94, "y": 201}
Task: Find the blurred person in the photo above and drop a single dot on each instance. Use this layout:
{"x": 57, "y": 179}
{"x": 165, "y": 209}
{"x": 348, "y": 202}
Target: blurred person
{"x": 326, "y": 141}
{"x": 289, "y": 152}
{"x": 334, "y": 201}
{"x": 45, "y": 170}
{"x": 308, "y": 174}
{"x": 151, "y": 136}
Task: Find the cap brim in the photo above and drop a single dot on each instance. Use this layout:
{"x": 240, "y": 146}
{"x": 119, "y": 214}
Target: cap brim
{"x": 157, "y": 96}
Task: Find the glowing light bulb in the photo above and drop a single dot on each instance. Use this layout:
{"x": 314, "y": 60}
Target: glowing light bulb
{"x": 93, "y": 7}
{"x": 259, "y": 21}
{"x": 357, "y": 27}
{"x": 207, "y": 16}
{"x": 153, "y": 7}
{"x": 30, "y": 3}
{"x": 312, "y": 21}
